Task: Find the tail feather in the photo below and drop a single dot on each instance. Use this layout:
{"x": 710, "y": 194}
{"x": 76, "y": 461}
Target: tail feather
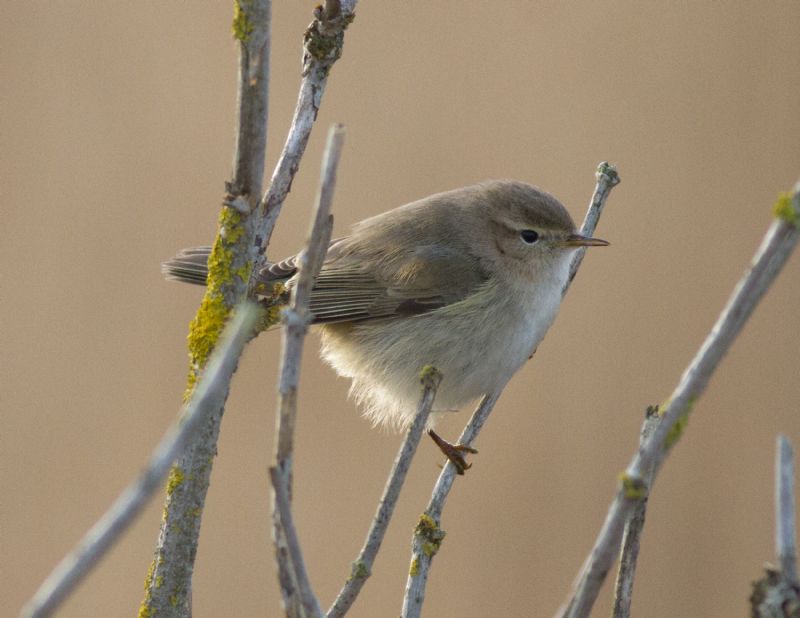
{"x": 189, "y": 266}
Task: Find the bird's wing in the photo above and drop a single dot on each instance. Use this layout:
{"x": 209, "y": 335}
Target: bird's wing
{"x": 398, "y": 284}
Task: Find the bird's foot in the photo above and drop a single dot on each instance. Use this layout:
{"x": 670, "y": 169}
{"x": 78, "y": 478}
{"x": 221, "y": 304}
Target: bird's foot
{"x": 453, "y": 452}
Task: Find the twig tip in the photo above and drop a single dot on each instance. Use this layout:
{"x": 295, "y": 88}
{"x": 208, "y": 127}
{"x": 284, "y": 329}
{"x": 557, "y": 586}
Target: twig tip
{"x": 430, "y": 376}
{"x": 609, "y": 171}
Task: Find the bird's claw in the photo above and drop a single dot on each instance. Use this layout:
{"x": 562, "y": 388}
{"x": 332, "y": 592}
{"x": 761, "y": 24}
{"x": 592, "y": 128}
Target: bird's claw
{"x": 453, "y": 452}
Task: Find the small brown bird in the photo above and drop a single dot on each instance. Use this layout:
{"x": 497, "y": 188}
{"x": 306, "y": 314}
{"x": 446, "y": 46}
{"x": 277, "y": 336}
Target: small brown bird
{"x": 468, "y": 281}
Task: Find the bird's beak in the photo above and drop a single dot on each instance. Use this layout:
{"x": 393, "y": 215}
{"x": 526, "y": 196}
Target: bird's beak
{"x": 576, "y": 240}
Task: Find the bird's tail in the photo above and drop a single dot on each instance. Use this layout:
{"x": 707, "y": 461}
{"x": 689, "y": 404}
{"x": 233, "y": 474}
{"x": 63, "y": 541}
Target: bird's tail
{"x": 189, "y": 266}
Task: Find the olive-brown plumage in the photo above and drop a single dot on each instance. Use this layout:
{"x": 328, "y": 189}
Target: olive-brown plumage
{"x": 467, "y": 280}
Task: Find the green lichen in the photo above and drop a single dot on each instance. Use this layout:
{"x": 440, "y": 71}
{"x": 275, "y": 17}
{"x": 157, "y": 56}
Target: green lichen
{"x": 243, "y": 272}
{"x": 274, "y": 299}
{"x": 175, "y": 479}
{"x": 209, "y": 322}
{"x": 430, "y": 375}
{"x": 325, "y": 43}
{"x": 359, "y": 570}
{"x": 159, "y": 581}
{"x": 430, "y": 549}
{"x": 426, "y": 522}
{"x": 241, "y": 27}
{"x": 633, "y": 487}
{"x": 784, "y": 210}
{"x": 676, "y": 431}
{"x": 145, "y": 610}
{"x": 431, "y": 535}
{"x": 413, "y": 570}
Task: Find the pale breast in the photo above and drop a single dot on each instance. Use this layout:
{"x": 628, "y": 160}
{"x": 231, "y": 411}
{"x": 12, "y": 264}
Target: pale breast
{"x": 477, "y": 344}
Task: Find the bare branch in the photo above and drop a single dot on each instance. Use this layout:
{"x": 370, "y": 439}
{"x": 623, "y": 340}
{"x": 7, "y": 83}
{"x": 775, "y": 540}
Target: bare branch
{"x": 775, "y": 249}
{"x": 251, "y": 26}
{"x": 607, "y": 179}
{"x": 210, "y": 392}
{"x": 323, "y": 47}
{"x": 362, "y": 566}
{"x": 785, "y": 516}
{"x": 633, "y": 533}
{"x": 291, "y": 573}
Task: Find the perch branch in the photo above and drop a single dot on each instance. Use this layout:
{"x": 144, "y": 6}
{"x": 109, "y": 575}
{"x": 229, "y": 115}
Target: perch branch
{"x": 607, "y": 179}
{"x": 362, "y": 566}
{"x": 298, "y": 596}
{"x": 101, "y": 537}
{"x": 775, "y": 249}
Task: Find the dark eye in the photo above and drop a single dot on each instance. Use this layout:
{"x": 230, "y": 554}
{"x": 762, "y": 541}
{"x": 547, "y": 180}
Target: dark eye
{"x": 529, "y": 236}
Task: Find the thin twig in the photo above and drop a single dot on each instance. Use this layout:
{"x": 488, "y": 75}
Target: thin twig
{"x": 296, "y": 589}
{"x": 101, "y": 537}
{"x": 775, "y": 249}
{"x": 607, "y": 179}
{"x": 301, "y": 601}
{"x": 362, "y": 566}
{"x": 623, "y": 593}
{"x": 324, "y": 39}
{"x": 785, "y": 533}
{"x": 168, "y": 582}
{"x": 778, "y": 592}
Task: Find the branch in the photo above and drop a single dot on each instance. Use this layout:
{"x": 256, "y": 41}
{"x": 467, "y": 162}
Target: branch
{"x": 775, "y": 249}
{"x": 208, "y": 395}
{"x": 778, "y": 592}
{"x": 785, "y": 534}
{"x": 607, "y": 179}
{"x": 292, "y": 573}
{"x": 623, "y": 593}
{"x": 168, "y": 582}
{"x": 323, "y": 43}
{"x": 362, "y": 566}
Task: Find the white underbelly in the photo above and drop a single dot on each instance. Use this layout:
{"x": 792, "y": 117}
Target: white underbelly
{"x": 477, "y": 344}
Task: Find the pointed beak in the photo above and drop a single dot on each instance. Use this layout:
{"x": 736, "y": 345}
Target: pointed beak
{"x": 576, "y": 240}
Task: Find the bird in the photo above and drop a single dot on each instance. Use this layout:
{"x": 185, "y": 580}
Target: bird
{"x": 467, "y": 280}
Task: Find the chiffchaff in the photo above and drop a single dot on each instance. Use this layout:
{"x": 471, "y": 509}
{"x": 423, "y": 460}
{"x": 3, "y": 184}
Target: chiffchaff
{"x": 468, "y": 281}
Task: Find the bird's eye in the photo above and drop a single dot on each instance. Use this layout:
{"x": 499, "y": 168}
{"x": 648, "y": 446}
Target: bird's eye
{"x": 529, "y": 236}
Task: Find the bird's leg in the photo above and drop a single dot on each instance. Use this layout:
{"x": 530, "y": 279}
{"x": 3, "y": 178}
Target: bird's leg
{"x": 453, "y": 452}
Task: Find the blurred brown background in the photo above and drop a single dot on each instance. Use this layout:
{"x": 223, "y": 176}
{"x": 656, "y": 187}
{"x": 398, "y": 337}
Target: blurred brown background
{"x": 117, "y": 129}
